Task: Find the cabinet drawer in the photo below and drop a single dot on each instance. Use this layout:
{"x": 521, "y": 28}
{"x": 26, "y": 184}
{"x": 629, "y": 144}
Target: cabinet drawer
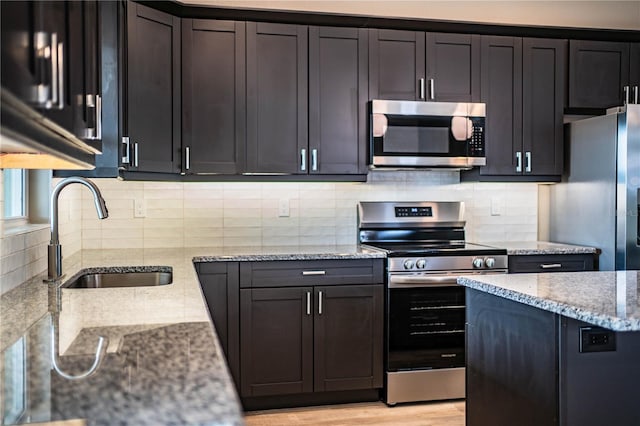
{"x": 311, "y": 272}
{"x": 551, "y": 263}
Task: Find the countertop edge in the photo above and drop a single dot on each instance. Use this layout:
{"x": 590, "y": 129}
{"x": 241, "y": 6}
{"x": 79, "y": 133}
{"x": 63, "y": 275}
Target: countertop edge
{"x": 605, "y": 321}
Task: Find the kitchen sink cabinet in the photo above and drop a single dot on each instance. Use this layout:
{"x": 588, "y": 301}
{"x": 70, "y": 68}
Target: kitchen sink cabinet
{"x": 277, "y": 96}
{"x": 552, "y": 263}
{"x": 153, "y": 86}
{"x": 523, "y": 87}
{"x": 413, "y": 65}
{"x": 598, "y": 73}
{"x": 309, "y": 329}
{"x": 213, "y": 96}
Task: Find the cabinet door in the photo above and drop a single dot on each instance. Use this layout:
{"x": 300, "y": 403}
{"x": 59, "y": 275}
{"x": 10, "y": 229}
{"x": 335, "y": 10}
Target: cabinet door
{"x": 453, "y": 67}
{"x": 50, "y": 18}
{"x": 276, "y": 341}
{"x": 396, "y": 65}
{"x": 501, "y": 90}
{"x": 348, "y": 333}
{"x": 153, "y": 89}
{"x": 337, "y": 100}
{"x": 213, "y": 96}
{"x": 598, "y": 72}
{"x": 84, "y": 69}
{"x": 18, "y": 65}
{"x": 543, "y": 64}
{"x": 634, "y": 70}
{"x": 277, "y": 137}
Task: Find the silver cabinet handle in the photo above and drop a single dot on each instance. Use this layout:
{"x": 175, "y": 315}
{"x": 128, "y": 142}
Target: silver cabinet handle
{"x": 135, "y": 154}
{"x": 126, "y": 157}
{"x": 421, "y": 84}
{"x": 551, "y": 265}
{"x": 41, "y": 91}
{"x": 307, "y": 273}
{"x": 187, "y": 159}
{"x": 314, "y": 160}
{"x": 98, "y": 117}
{"x": 432, "y": 89}
{"x": 60, "y": 48}
{"x": 635, "y": 94}
{"x": 527, "y": 157}
{"x": 308, "y": 303}
{"x": 626, "y": 94}
{"x": 55, "y": 67}
{"x": 94, "y": 102}
{"x": 303, "y": 160}
{"x": 319, "y": 303}
{"x": 518, "y": 161}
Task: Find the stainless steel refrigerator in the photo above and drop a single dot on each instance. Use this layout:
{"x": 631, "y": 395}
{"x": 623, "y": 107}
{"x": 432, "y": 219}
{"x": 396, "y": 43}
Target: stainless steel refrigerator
{"x": 597, "y": 202}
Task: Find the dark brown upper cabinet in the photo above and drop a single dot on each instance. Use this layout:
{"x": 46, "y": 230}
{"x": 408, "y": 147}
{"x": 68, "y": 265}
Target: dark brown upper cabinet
{"x": 51, "y": 61}
{"x": 523, "y": 87}
{"x": 153, "y": 90}
{"x": 412, "y": 65}
{"x": 634, "y": 71}
{"x": 277, "y": 96}
{"x": 213, "y": 96}
{"x": 338, "y": 96}
{"x": 598, "y": 74}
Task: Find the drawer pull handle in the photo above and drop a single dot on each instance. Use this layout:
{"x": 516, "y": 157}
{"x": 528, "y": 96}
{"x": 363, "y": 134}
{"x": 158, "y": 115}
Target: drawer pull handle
{"x": 306, "y": 273}
{"x": 551, "y": 265}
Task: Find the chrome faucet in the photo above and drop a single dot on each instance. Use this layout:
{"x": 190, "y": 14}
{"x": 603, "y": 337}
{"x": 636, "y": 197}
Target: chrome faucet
{"x": 55, "y": 249}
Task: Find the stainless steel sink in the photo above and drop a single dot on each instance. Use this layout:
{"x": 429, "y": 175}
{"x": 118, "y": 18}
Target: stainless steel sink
{"x": 121, "y": 279}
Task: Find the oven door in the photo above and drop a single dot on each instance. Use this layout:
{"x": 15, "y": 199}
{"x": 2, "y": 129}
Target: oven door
{"x": 426, "y": 321}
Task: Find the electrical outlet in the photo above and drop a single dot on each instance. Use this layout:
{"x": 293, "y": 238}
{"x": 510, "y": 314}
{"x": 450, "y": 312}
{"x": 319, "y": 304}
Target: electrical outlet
{"x": 283, "y": 208}
{"x": 139, "y": 208}
{"x": 496, "y": 206}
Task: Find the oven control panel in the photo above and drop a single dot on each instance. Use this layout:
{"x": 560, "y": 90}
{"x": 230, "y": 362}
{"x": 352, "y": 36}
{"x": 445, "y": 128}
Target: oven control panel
{"x": 448, "y": 263}
{"x": 414, "y": 211}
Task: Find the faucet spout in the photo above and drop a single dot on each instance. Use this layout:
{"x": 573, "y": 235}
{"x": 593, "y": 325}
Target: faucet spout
{"x": 54, "y": 249}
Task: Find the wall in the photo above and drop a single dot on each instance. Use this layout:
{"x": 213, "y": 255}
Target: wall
{"x": 585, "y": 14}
{"x": 246, "y": 214}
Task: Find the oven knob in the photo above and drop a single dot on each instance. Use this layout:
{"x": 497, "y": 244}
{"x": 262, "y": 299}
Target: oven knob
{"x": 478, "y": 263}
{"x": 421, "y": 263}
{"x": 408, "y": 264}
{"x": 490, "y": 262}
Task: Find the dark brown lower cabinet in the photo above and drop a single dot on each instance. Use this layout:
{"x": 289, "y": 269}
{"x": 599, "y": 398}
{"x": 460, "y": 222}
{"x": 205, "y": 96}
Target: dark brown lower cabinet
{"x": 310, "y": 339}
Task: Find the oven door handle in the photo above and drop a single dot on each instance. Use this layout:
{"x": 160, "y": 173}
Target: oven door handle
{"x": 396, "y": 281}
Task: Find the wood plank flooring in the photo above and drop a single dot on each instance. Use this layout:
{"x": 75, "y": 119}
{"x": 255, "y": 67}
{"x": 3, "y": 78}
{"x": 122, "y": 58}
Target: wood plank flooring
{"x": 449, "y": 413}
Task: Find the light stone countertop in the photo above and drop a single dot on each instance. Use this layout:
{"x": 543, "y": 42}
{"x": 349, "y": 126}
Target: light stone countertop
{"x": 163, "y": 364}
{"x": 607, "y": 299}
{"x": 541, "y": 248}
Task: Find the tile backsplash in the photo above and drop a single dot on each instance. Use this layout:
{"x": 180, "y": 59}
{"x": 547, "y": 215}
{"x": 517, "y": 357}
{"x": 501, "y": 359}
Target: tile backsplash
{"x": 232, "y": 214}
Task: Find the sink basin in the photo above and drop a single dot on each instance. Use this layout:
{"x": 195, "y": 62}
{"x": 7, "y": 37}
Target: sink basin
{"x": 121, "y": 279}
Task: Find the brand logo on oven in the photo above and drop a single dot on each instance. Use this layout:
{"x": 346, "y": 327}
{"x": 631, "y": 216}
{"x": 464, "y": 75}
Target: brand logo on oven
{"x": 448, "y": 355}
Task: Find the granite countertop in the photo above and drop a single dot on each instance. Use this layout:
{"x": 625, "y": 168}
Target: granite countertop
{"x": 607, "y": 299}
{"x": 163, "y": 362}
{"x": 541, "y": 247}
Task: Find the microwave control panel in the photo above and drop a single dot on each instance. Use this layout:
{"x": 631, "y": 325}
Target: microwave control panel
{"x": 476, "y": 143}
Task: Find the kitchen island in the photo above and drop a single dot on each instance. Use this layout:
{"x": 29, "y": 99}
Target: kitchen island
{"x": 163, "y": 362}
{"x": 553, "y": 349}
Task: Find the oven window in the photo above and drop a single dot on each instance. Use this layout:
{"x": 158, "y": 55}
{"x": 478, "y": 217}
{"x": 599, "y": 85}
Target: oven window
{"x": 426, "y": 328}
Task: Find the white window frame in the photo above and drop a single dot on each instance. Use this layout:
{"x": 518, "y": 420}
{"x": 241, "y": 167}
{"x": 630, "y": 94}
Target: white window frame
{"x": 22, "y": 219}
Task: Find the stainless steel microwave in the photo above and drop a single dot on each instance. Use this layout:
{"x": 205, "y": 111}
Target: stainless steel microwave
{"x": 412, "y": 134}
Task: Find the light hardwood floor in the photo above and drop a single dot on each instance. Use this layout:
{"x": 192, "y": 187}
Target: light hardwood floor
{"x": 450, "y": 413}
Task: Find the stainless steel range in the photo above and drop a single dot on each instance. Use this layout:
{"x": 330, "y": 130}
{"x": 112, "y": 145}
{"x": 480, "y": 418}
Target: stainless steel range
{"x": 425, "y": 308}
